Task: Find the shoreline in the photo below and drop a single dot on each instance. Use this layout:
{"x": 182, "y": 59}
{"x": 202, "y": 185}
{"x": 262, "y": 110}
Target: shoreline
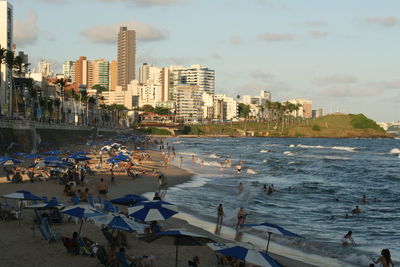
{"x": 286, "y": 255}
{"x": 283, "y": 136}
{"x": 13, "y": 234}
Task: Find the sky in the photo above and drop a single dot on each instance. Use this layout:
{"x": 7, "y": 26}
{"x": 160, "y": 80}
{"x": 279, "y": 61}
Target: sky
{"x": 342, "y": 54}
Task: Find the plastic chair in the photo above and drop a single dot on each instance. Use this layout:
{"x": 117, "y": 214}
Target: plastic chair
{"x": 75, "y": 200}
{"x": 91, "y": 201}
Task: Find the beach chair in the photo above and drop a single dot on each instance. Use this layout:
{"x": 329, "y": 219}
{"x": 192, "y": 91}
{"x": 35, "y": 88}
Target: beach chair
{"x": 84, "y": 250}
{"x": 75, "y": 200}
{"x": 100, "y": 202}
{"x": 91, "y": 201}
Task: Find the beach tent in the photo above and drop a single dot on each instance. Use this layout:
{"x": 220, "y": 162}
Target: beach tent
{"x": 81, "y": 212}
{"x": 119, "y": 222}
{"x": 271, "y": 229}
{"x": 22, "y": 195}
{"x": 183, "y": 238}
{"x": 152, "y": 210}
{"x": 245, "y": 252}
{"x": 129, "y": 199}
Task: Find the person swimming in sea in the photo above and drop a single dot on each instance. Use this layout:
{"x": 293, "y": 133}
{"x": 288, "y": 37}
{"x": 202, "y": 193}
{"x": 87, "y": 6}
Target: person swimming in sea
{"x": 264, "y": 189}
{"x": 356, "y": 210}
{"x": 347, "y": 239}
{"x": 364, "y": 199}
{"x": 239, "y": 169}
{"x": 241, "y": 188}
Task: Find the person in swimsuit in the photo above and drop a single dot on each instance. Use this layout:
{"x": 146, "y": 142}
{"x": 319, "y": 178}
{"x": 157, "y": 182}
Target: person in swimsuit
{"x": 220, "y": 214}
{"x": 385, "y": 259}
{"x": 241, "y": 216}
{"x": 347, "y": 239}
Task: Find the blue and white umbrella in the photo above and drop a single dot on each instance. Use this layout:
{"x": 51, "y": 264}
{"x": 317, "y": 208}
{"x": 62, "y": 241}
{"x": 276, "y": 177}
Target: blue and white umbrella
{"x": 128, "y": 199}
{"x": 52, "y": 152}
{"x": 32, "y": 156}
{"x": 148, "y": 211}
{"x": 52, "y": 204}
{"x": 82, "y": 212}
{"x": 183, "y": 238}
{"x": 271, "y": 229}
{"x": 9, "y": 161}
{"x": 119, "y": 222}
{"x": 118, "y": 158}
{"x": 18, "y": 154}
{"x": 52, "y": 158}
{"x": 245, "y": 252}
{"x": 22, "y": 195}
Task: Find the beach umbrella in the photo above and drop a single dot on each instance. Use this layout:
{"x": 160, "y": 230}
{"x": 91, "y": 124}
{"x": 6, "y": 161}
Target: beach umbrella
{"x": 22, "y": 195}
{"x": 81, "y": 212}
{"x": 128, "y": 199}
{"x": 245, "y": 252}
{"x": 51, "y": 158}
{"x": 119, "y": 222}
{"x": 78, "y": 157}
{"x": 32, "y": 156}
{"x": 182, "y": 238}
{"x": 52, "y": 152}
{"x": 147, "y": 211}
{"x": 9, "y": 161}
{"x": 271, "y": 229}
{"x": 52, "y": 204}
{"x": 105, "y": 148}
{"x": 18, "y": 154}
{"x": 119, "y": 157}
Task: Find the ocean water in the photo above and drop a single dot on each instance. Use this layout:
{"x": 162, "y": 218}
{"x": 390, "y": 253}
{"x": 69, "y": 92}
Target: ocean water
{"x": 319, "y": 171}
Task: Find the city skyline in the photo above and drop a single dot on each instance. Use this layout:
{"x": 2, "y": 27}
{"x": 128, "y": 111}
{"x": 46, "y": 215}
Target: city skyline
{"x": 322, "y": 52}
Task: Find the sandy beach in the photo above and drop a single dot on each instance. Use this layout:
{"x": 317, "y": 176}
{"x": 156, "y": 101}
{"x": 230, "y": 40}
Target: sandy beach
{"x": 22, "y": 245}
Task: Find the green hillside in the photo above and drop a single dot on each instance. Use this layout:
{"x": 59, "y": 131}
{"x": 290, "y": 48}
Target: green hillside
{"x": 337, "y": 125}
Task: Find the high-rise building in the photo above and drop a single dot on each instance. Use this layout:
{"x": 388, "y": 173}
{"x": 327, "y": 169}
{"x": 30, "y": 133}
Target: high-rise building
{"x": 113, "y": 75}
{"x": 188, "y": 102}
{"x": 101, "y": 73}
{"x": 204, "y": 78}
{"x": 69, "y": 70}
{"x": 6, "y": 41}
{"x": 82, "y": 71}
{"x": 150, "y": 74}
{"x": 45, "y": 68}
{"x": 126, "y": 57}
{"x": 305, "y": 108}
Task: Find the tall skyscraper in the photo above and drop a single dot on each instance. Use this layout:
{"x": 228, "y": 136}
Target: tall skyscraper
{"x": 101, "y": 72}
{"x": 6, "y": 41}
{"x": 126, "y": 57}
{"x": 69, "y": 70}
{"x": 82, "y": 71}
{"x": 45, "y": 68}
{"x": 113, "y": 75}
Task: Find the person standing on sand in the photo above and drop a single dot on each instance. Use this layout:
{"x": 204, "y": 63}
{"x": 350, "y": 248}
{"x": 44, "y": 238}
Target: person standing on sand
{"x": 181, "y": 161}
{"x": 103, "y": 188}
{"x": 220, "y": 214}
{"x": 112, "y": 174}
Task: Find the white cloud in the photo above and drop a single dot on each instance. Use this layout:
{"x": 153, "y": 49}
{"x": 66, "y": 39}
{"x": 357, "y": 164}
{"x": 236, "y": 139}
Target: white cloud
{"x": 337, "y": 79}
{"x": 146, "y": 3}
{"x": 384, "y": 21}
{"x": 26, "y": 30}
{"x": 261, "y": 75}
{"x": 314, "y": 23}
{"x": 275, "y": 37}
{"x": 236, "y": 40}
{"x": 318, "y": 34}
{"x": 107, "y": 34}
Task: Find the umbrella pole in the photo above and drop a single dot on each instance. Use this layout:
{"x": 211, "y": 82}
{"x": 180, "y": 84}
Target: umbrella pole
{"x": 80, "y": 228}
{"x": 269, "y": 238}
{"x": 20, "y": 213}
{"x": 176, "y": 253}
